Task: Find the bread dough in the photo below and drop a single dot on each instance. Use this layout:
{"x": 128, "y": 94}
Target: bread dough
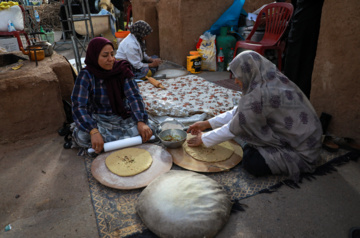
{"x": 184, "y": 204}
{"x": 216, "y": 153}
{"x": 129, "y": 161}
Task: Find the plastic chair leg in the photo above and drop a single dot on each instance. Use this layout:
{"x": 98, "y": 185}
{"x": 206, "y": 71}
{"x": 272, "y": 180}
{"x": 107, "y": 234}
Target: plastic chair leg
{"x": 27, "y": 38}
{"x": 17, "y": 35}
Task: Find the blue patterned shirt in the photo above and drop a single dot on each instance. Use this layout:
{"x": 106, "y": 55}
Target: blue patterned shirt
{"x": 89, "y": 97}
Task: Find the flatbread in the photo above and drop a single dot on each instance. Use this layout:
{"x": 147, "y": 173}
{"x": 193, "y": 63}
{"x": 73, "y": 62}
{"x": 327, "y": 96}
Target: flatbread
{"x": 216, "y": 153}
{"x": 129, "y": 161}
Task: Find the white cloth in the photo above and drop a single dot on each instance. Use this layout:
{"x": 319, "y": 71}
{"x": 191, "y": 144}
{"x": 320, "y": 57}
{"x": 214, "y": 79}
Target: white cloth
{"x": 112, "y": 19}
{"x": 130, "y": 50}
{"x": 221, "y": 131}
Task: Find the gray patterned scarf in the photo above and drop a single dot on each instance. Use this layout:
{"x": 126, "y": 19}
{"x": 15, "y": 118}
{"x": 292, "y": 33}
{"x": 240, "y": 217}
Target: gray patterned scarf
{"x": 275, "y": 117}
{"x": 140, "y": 29}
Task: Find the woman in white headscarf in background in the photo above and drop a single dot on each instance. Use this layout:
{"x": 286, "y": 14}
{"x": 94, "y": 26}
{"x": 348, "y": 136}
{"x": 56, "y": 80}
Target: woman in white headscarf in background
{"x": 133, "y": 49}
{"x": 275, "y": 120}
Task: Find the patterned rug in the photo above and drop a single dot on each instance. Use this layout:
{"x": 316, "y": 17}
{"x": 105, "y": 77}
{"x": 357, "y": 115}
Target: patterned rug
{"x": 186, "y": 96}
{"x": 115, "y": 209}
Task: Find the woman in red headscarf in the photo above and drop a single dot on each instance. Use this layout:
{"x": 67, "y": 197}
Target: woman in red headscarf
{"x": 106, "y": 101}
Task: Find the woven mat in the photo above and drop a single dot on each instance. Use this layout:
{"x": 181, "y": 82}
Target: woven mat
{"x": 115, "y": 209}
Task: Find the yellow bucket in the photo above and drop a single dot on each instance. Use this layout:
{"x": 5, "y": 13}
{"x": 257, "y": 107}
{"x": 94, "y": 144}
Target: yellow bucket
{"x": 194, "y": 64}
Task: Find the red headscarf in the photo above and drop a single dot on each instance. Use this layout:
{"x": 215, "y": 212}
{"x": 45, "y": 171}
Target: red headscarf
{"x": 114, "y": 78}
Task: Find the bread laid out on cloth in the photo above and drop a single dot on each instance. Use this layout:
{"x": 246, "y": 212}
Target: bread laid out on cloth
{"x": 184, "y": 204}
{"x": 129, "y": 161}
{"x": 216, "y": 153}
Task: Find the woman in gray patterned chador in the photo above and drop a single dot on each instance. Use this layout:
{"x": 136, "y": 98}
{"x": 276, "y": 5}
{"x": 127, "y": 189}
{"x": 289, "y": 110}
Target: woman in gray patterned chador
{"x": 275, "y": 120}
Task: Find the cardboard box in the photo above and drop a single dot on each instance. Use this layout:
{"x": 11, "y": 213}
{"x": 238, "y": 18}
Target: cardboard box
{"x": 34, "y": 2}
{"x": 9, "y": 43}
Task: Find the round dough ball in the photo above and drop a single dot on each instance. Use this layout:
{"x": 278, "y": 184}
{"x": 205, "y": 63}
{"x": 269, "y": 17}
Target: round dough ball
{"x": 184, "y": 204}
{"x": 216, "y": 153}
{"x": 129, "y": 161}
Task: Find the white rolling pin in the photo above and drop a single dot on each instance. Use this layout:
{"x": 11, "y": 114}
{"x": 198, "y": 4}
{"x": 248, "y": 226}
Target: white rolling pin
{"x": 118, "y": 144}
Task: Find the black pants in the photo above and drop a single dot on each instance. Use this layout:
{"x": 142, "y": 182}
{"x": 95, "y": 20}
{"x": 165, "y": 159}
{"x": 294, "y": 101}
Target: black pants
{"x": 254, "y": 163}
{"x": 302, "y": 43}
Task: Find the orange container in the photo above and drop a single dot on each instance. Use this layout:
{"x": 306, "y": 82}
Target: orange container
{"x": 122, "y": 34}
{"x": 194, "y": 53}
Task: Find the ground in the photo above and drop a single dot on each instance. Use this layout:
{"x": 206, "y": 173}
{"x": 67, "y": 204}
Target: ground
{"x": 45, "y": 193}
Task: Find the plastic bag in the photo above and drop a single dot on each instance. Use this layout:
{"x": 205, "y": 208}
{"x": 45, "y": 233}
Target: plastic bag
{"x": 229, "y": 18}
{"x": 207, "y": 48}
{"x": 11, "y": 26}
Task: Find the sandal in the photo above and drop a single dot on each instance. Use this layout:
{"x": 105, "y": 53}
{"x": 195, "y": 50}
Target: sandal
{"x": 347, "y": 144}
{"x": 354, "y": 232}
{"x": 329, "y": 145}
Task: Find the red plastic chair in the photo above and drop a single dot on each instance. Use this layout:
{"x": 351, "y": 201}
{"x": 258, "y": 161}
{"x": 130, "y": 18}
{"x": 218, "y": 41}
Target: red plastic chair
{"x": 17, "y": 33}
{"x": 276, "y": 17}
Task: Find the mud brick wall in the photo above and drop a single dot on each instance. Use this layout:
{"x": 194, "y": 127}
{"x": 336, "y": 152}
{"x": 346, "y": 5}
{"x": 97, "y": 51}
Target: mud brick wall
{"x": 182, "y": 22}
{"x": 335, "y": 79}
{"x": 146, "y": 10}
{"x": 31, "y": 98}
{"x": 178, "y": 24}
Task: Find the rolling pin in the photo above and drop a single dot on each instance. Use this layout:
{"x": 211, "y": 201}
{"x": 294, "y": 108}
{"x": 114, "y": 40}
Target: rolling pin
{"x": 155, "y": 82}
{"x": 118, "y": 144}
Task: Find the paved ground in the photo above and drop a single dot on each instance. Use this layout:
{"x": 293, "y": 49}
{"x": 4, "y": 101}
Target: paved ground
{"x": 44, "y": 193}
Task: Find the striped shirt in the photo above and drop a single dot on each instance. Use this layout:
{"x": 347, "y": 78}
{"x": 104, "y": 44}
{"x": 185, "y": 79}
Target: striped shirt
{"x": 89, "y": 97}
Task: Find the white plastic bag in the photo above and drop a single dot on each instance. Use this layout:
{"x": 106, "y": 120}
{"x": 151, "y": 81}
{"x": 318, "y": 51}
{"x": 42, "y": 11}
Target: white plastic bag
{"x": 15, "y": 15}
{"x": 207, "y": 48}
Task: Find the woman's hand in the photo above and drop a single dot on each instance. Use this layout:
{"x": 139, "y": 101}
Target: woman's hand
{"x": 97, "y": 142}
{"x": 195, "y": 141}
{"x": 198, "y": 126}
{"x": 155, "y": 62}
{"x": 144, "y": 131}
